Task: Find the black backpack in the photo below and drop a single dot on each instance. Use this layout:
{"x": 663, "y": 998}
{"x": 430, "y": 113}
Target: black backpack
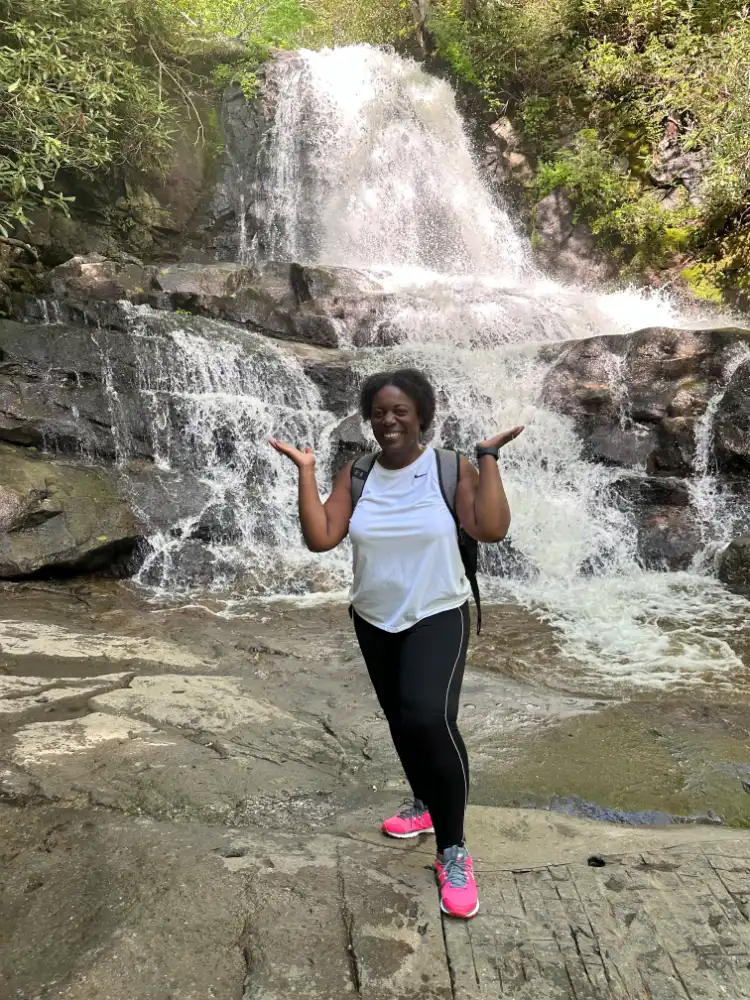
{"x": 449, "y": 472}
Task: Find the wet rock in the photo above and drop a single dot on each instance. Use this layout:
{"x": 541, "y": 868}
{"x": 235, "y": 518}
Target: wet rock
{"x": 630, "y": 446}
{"x": 268, "y": 299}
{"x": 668, "y": 538}
{"x": 53, "y": 392}
{"x": 732, "y": 422}
{"x": 67, "y": 519}
{"x": 349, "y": 442}
{"x": 191, "y": 561}
{"x": 734, "y": 565}
{"x": 333, "y": 373}
{"x": 314, "y": 305}
{"x": 636, "y": 400}
{"x": 565, "y": 245}
{"x": 661, "y": 491}
{"x": 228, "y": 219}
{"x": 94, "y": 278}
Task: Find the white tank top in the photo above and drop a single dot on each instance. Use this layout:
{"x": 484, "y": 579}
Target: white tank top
{"x": 407, "y": 564}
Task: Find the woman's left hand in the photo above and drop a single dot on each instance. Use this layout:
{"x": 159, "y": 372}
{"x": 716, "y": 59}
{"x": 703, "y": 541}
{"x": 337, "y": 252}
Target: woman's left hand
{"x": 500, "y": 440}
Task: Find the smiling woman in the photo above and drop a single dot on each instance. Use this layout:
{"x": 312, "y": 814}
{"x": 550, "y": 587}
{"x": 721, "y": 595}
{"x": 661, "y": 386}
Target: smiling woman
{"x": 409, "y": 599}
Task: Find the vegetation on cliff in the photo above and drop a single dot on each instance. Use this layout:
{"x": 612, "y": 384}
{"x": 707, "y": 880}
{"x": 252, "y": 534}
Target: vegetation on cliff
{"x": 92, "y": 85}
{"x": 638, "y": 108}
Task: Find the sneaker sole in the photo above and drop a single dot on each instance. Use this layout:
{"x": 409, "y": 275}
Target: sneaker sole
{"x": 460, "y": 916}
{"x": 407, "y": 836}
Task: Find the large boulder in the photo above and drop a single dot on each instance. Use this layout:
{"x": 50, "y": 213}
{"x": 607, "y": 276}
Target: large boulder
{"x": 95, "y": 278}
{"x": 311, "y": 305}
{"x": 54, "y": 392}
{"x": 636, "y": 399}
{"x": 734, "y": 565}
{"x": 732, "y": 422}
{"x": 61, "y": 517}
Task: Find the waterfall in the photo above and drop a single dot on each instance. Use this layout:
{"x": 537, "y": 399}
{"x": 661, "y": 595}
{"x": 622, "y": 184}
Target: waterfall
{"x": 721, "y": 517}
{"x": 367, "y": 165}
{"x": 211, "y": 396}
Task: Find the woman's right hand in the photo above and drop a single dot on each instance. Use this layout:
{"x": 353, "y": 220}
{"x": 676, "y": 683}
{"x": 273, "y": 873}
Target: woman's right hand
{"x": 303, "y": 459}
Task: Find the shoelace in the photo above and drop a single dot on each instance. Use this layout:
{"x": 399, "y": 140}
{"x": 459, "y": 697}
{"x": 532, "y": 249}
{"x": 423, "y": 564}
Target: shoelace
{"x": 455, "y": 871}
{"x": 412, "y": 811}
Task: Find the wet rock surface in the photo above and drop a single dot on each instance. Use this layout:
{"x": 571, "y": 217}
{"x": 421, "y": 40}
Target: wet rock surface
{"x": 667, "y": 404}
{"x": 112, "y": 379}
{"x": 642, "y": 394}
{"x": 191, "y": 804}
{"x": 734, "y": 565}
{"x": 62, "y": 517}
{"x": 53, "y": 393}
{"x": 732, "y": 434}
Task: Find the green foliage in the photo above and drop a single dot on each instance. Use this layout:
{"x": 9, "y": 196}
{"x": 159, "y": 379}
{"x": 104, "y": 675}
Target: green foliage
{"x": 596, "y": 86}
{"x": 94, "y": 85}
{"x": 71, "y": 95}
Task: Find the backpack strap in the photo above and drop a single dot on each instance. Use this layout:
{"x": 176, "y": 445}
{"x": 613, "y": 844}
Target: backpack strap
{"x": 361, "y": 469}
{"x": 449, "y": 473}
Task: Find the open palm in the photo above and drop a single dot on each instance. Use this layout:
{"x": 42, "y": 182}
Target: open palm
{"x": 302, "y": 458}
{"x": 500, "y": 440}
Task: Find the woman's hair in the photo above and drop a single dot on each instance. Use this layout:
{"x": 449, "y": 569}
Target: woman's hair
{"x": 411, "y": 382}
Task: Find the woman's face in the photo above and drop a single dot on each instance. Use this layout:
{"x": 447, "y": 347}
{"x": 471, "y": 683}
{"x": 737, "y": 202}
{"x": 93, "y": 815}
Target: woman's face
{"x": 395, "y": 422}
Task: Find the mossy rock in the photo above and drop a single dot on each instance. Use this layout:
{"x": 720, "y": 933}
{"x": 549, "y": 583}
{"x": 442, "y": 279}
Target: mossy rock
{"x": 60, "y": 517}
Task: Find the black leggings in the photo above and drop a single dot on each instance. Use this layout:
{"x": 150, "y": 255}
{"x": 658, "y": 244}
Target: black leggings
{"x": 417, "y": 677}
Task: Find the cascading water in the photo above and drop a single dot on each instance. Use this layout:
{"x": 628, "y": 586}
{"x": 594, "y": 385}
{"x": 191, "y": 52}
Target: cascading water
{"x": 367, "y": 166}
{"x": 211, "y": 398}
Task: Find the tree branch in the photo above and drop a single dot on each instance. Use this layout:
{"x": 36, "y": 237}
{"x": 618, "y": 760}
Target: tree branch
{"x": 20, "y": 245}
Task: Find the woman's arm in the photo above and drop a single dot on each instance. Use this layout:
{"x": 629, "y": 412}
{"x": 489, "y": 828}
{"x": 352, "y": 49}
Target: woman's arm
{"x": 481, "y": 503}
{"x": 324, "y": 525}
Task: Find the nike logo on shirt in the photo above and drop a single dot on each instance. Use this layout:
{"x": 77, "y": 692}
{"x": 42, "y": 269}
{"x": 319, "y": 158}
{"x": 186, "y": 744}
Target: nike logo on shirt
{"x": 421, "y": 476}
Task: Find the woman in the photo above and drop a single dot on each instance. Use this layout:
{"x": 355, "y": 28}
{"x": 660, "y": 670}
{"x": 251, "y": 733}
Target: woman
{"x": 409, "y": 601}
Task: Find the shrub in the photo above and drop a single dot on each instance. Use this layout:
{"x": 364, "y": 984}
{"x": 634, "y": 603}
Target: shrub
{"x": 593, "y": 86}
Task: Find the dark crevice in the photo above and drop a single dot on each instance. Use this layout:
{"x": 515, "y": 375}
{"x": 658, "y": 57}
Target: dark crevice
{"x": 347, "y": 919}
{"x": 245, "y": 946}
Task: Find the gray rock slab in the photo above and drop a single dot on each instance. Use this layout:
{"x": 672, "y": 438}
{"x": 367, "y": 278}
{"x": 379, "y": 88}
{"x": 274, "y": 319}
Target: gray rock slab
{"x": 663, "y": 923}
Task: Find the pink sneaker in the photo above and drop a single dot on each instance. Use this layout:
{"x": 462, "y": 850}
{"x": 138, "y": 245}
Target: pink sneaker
{"x": 410, "y": 822}
{"x": 458, "y": 890}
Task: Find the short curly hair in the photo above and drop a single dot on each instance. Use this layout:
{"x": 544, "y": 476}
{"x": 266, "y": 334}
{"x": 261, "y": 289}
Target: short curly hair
{"x": 410, "y": 381}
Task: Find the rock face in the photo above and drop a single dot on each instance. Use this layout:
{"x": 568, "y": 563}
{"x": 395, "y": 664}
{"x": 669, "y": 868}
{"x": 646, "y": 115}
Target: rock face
{"x": 637, "y": 400}
{"x": 311, "y": 305}
{"x": 567, "y": 247}
{"x": 734, "y": 565}
{"x": 667, "y": 531}
{"x": 663, "y": 402}
{"x": 52, "y": 392}
{"x": 129, "y": 376}
{"x": 59, "y": 517}
{"x": 153, "y": 219}
{"x": 732, "y": 423}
